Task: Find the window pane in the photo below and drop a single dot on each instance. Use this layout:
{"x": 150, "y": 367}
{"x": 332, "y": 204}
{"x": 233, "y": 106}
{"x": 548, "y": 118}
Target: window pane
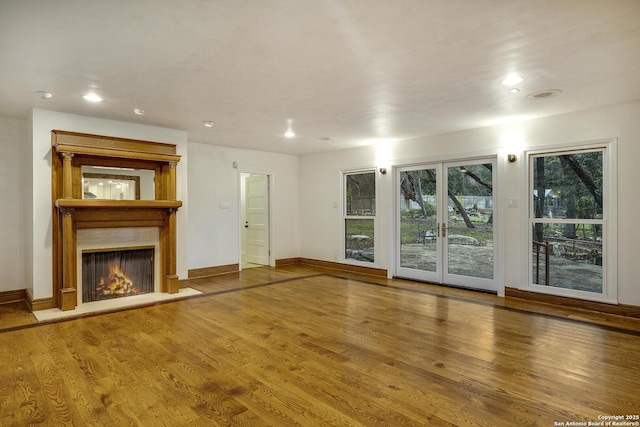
{"x": 361, "y": 194}
{"x": 568, "y": 185}
{"x": 573, "y": 263}
{"x": 359, "y": 239}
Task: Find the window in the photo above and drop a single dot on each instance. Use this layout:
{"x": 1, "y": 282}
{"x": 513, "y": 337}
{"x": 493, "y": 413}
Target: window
{"x": 568, "y": 221}
{"x": 359, "y": 216}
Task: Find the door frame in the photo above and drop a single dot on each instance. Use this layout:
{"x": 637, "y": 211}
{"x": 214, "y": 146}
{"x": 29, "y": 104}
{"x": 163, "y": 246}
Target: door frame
{"x": 241, "y": 213}
{"x": 500, "y": 161}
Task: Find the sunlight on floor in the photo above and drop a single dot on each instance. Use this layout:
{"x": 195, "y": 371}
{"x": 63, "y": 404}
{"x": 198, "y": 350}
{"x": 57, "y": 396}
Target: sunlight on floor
{"x": 246, "y": 265}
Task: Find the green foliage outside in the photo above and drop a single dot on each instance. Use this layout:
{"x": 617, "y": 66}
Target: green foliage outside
{"x": 362, "y": 227}
{"x": 417, "y": 213}
{"x": 412, "y": 230}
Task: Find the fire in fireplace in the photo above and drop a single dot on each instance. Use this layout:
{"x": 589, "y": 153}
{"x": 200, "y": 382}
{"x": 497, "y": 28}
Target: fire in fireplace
{"x": 115, "y": 273}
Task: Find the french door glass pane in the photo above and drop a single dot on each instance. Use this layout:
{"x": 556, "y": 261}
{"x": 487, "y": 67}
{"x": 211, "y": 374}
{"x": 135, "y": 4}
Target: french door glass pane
{"x": 470, "y": 220}
{"x": 359, "y": 239}
{"x": 418, "y": 221}
{"x": 573, "y": 262}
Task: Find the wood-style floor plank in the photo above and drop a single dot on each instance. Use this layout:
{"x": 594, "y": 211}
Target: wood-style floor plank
{"x": 297, "y": 346}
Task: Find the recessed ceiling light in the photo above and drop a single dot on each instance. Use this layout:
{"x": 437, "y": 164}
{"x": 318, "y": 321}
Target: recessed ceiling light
{"x": 44, "y": 94}
{"x": 92, "y": 97}
{"x": 289, "y": 133}
{"x": 139, "y": 111}
{"x": 208, "y": 124}
{"x": 544, "y": 94}
{"x": 514, "y": 90}
{"x": 512, "y": 79}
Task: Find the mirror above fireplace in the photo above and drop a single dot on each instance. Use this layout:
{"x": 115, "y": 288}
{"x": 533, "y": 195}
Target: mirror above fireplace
{"x": 110, "y": 183}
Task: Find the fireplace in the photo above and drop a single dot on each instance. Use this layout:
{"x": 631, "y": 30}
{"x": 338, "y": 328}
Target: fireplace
{"x": 117, "y": 262}
{"x": 117, "y": 273}
{"x": 74, "y": 215}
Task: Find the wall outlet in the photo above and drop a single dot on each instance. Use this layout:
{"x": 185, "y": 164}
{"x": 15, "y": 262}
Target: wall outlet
{"x": 225, "y": 205}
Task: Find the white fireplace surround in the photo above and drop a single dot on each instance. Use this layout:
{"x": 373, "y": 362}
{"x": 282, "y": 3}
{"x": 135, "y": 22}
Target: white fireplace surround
{"x": 114, "y": 238}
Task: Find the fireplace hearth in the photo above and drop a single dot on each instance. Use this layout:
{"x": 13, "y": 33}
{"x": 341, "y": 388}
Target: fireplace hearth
{"x": 108, "y": 274}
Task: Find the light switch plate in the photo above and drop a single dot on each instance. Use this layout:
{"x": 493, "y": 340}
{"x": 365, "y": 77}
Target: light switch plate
{"x": 512, "y": 202}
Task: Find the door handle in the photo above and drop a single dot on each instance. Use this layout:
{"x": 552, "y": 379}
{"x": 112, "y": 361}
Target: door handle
{"x": 444, "y": 230}
{"x": 437, "y": 229}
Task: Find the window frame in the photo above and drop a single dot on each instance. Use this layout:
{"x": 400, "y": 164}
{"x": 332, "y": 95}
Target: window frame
{"x": 344, "y": 217}
{"x": 608, "y": 220}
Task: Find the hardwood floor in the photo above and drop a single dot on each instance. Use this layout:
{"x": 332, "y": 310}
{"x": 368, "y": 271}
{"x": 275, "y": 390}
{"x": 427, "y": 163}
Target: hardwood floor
{"x": 15, "y": 314}
{"x": 300, "y": 346}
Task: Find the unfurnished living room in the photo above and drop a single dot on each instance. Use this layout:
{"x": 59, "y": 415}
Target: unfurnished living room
{"x": 319, "y": 213}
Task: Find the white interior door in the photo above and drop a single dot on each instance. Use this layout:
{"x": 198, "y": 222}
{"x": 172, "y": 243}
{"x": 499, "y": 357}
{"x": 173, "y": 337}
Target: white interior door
{"x": 257, "y": 222}
{"x": 445, "y": 224}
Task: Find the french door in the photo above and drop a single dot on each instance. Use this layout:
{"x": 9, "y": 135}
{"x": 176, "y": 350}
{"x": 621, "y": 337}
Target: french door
{"x": 445, "y": 223}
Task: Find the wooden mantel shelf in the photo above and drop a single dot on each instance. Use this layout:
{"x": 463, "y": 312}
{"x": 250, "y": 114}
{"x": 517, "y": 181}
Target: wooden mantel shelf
{"x": 117, "y": 204}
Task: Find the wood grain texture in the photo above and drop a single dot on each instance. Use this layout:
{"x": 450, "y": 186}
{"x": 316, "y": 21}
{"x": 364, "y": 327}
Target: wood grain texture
{"x": 15, "y": 313}
{"x": 337, "y": 266}
{"x": 619, "y": 309}
{"x": 61, "y": 137}
{"x": 70, "y": 212}
{"x": 13, "y": 296}
{"x": 213, "y": 271}
{"x": 297, "y": 346}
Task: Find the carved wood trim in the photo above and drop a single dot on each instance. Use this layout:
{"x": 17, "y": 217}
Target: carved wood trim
{"x": 77, "y": 139}
{"x": 121, "y": 154}
{"x": 40, "y": 304}
{"x": 70, "y": 151}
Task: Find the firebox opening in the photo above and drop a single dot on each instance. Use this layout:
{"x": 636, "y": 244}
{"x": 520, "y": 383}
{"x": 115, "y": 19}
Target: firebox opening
{"x": 116, "y": 273}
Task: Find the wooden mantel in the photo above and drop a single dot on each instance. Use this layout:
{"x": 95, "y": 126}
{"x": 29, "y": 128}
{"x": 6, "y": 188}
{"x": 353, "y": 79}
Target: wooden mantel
{"x": 115, "y": 204}
{"x": 70, "y": 212}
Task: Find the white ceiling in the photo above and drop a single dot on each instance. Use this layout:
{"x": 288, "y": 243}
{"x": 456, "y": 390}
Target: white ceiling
{"x": 355, "y": 71}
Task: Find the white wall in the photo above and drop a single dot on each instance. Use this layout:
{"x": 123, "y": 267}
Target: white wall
{"x": 320, "y": 184}
{"x": 214, "y": 232}
{"x": 42, "y": 122}
{"x": 12, "y": 189}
